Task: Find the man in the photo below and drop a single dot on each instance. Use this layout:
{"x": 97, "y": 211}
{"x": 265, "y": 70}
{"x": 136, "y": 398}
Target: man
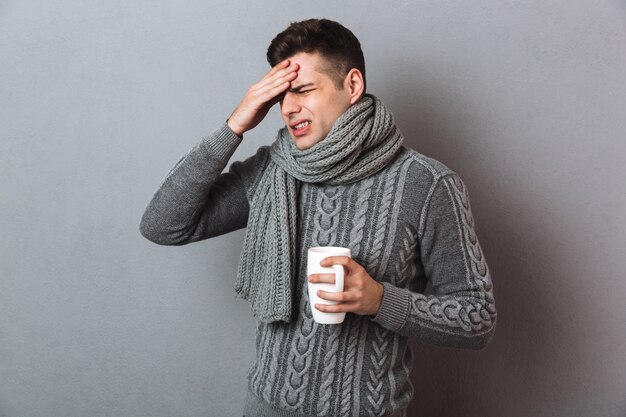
{"x": 336, "y": 175}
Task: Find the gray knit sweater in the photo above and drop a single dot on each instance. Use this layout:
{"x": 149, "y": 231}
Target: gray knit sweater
{"x": 409, "y": 223}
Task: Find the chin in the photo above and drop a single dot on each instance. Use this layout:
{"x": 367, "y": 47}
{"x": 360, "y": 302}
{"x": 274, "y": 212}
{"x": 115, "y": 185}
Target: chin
{"x": 303, "y": 143}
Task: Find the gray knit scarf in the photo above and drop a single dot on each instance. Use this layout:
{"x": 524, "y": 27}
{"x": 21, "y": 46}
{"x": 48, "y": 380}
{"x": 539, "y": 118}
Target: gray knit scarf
{"x": 362, "y": 141}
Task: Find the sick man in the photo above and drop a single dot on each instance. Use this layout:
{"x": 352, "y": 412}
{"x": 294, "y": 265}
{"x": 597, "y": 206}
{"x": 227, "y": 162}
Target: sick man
{"x": 337, "y": 174}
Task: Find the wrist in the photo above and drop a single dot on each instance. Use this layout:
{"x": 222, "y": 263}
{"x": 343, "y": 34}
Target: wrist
{"x": 236, "y": 129}
{"x": 379, "y": 298}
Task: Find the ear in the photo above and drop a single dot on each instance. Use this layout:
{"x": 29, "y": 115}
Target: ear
{"x": 354, "y": 84}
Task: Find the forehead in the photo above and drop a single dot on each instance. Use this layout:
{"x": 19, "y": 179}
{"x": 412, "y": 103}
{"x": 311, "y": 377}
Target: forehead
{"x": 312, "y": 67}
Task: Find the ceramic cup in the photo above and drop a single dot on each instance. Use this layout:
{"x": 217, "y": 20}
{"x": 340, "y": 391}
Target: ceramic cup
{"x": 315, "y": 256}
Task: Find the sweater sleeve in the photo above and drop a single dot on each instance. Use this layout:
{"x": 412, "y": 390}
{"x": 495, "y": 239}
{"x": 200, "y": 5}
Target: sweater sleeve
{"x": 461, "y": 312}
{"x": 196, "y": 200}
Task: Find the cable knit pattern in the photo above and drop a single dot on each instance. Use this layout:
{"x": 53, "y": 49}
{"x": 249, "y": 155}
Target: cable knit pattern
{"x": 408, "y": 222}
{"x": 378, "y": 357}
{"x": 271, "y": 364}
{"x": 328, "y": 373}
{"x": 479, "y": 266}
{"x": 467, "y": 313}
{"x": 362, "y": 205}
{"x": 328, "y": 206}
{"x": 325, "y": 234}
{"x": 302, "y": 355}
{"x": 299, "y": 362}
{"x": 405, "y": 268}
{"x": 383, "y": 218}
{"x": 347, "y": 384}
{"x": 261, "y": 342}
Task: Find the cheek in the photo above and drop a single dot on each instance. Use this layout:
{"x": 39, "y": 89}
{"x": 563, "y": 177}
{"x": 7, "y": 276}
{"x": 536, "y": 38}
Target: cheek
{"x": 322, "y": 107}
{"x": 333, "y": 114}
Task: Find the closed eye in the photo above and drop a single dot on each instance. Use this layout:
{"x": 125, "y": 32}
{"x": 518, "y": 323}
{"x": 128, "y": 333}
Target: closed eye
{"x": 304, "y": 88}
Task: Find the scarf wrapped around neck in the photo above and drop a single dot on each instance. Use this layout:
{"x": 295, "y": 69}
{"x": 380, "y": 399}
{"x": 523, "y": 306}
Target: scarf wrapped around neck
{"x": 362, "y": 141}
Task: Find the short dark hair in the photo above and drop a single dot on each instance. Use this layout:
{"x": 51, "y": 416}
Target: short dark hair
{"x": 336, "y": 43}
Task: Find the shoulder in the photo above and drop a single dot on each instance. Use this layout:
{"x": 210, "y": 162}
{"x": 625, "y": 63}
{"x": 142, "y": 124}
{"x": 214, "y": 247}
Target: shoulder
{"x": 250, "y": 170}
{"x": 420, "y": 167}
{"x": 422, "y": 177}
{"x": 254, "y": 163}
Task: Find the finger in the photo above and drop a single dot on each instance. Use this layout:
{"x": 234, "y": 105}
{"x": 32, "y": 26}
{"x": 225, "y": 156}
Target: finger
{"x": 270, "y": 88}
{"x": 341, "y": 297}
{"x": 271, "y": 95}
{"x": 276, "y": 98}
{"x": 346, "y": 261}
{"x": 279, "y": 71}
{"x": 287, "y": 74}
{"x": 322, "y": 278}
{"x": 336, "y": 308}
{"x": 278, "y": 80}
{"x": 277, "y": 67}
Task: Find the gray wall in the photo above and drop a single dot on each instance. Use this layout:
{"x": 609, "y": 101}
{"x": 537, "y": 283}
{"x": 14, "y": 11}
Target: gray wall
{"x": 525, "y": 99}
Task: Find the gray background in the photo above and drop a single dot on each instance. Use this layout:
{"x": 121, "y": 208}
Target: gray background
{"x": 98, "y": 100}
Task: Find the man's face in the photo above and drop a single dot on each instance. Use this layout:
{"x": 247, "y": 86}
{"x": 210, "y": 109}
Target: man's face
{"x": 312, "y": 103}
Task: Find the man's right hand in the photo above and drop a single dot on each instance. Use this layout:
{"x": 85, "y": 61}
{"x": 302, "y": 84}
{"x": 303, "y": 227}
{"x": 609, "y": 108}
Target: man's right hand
{"x": 261, "y": 97}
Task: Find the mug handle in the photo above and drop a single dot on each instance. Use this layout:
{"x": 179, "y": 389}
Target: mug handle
{"x": 339, "y": 272}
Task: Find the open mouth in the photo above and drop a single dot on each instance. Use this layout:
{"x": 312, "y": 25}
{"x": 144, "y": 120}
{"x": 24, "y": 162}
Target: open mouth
{"x": 301, "y": 127}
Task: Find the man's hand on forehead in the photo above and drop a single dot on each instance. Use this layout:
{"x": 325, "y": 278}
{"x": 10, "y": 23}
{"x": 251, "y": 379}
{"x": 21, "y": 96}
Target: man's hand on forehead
{"x": 261, "y": 96}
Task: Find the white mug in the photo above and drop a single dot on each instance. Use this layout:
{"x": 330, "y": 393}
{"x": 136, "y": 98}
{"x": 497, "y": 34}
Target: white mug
{"x": 315, "y": 256}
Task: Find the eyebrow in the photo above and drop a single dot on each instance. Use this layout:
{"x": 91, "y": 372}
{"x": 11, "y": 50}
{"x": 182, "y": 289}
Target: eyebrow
{"x": 298, "y": 88}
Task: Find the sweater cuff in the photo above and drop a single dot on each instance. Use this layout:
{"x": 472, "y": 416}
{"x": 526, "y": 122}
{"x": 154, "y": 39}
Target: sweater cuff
{"x": 222, "y": 143}
{"x": 394, "y": 308}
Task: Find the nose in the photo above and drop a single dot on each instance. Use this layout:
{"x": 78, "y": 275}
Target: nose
{"x": 290, "y": 104}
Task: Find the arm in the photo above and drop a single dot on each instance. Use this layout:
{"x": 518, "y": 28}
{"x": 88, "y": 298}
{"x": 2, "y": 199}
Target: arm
{"x": 461, "y": 312}
{"x": 196, "y": 201}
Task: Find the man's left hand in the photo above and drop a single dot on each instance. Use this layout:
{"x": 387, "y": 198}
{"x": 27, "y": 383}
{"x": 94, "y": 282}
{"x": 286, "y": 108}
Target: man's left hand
{"x": 361, "y": 293}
